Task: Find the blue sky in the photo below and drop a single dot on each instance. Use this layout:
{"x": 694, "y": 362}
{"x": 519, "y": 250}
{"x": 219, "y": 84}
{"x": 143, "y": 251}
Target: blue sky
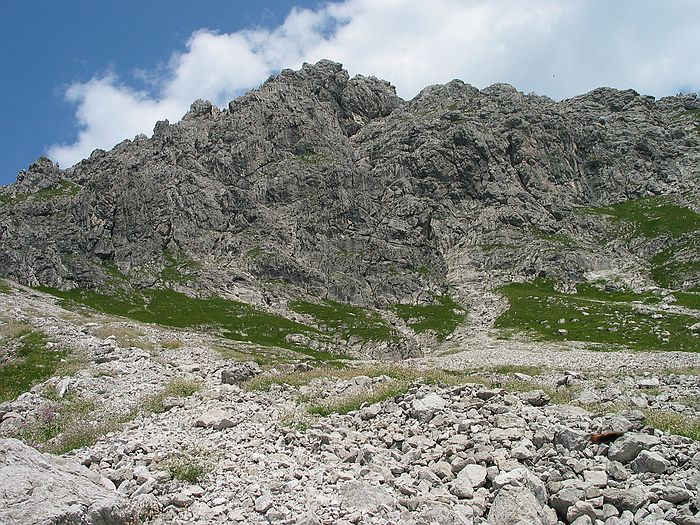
{"x": 79, "y": 74}
{"x": 47, "y": 45}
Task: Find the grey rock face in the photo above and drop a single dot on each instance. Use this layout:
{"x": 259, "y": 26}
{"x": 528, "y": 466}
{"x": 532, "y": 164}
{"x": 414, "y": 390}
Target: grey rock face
{"x": 42, "y": 489}
{"x": 340, "y": 189}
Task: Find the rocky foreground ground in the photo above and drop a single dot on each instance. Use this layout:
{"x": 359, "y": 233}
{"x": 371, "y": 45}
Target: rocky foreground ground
{"x": 159, "y": 426}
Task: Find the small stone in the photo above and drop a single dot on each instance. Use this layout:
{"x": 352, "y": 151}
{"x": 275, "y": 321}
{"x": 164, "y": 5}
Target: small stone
{"x": 617, "y": 471}
{"x": 582, "y": 520}
{"x": 581, "y": 508}
{"x": 181, "y": 500}
{"x": 565, "y": 498}
{"x": 649, "y": 382}
{"x": 648, "y": 461}
{"x": 475, "y": 475}
{"x": 626, "y": 499}
{"x": 571, "y": 439}
{"x": 597, "y": 478}
{"x": 515, "y": 506}
{"x": 536, "y": 398}
{"x": 626, "y": 448}
{"x": 263, "y": 503}
{"x": 215, "y": 418}
{"x": 370, "y": 412}
{"x": 240, "y": 372}
{"x": 675, "y": 495}
{"x": 487, "y": 393}
{"x": 425, "y": 407}
{"x": 462, "y": 488}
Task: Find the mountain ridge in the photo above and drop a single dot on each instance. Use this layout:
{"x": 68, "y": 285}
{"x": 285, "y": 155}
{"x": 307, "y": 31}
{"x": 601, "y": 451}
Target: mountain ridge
{"x": 318, "y": 186}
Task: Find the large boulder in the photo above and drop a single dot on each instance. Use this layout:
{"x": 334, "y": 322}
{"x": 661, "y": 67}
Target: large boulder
{"x": 38, "y": 489}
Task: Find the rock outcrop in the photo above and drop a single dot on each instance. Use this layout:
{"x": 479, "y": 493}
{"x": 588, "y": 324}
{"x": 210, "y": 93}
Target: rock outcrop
{"x": 42, "y": 489}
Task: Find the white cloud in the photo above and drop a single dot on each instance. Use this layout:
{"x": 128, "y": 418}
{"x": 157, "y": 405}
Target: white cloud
{"x": 554, "y": 47}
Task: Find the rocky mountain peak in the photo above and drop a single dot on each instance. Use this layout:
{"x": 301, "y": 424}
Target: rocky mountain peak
{"x": 340, "y": 189}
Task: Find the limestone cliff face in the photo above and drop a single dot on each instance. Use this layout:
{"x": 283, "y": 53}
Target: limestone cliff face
{"x": 323, "y": 184}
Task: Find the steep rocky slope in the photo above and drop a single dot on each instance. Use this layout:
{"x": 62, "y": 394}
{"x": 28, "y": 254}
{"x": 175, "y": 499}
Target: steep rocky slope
{"x": 320, "y": 186}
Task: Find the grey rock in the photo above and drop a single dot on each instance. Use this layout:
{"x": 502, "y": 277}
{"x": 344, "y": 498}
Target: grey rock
{"x": 240, "y": 372}
{"x": 425, "y": 407}
{"x": 626, "y": 448}
{"x": 474, "y": 475}
{"x": 675, "y": 495}
{"x": 335, "y": 176}
{"x": 364, "y": 497}
{"x": 617, "y": 471}
{"x": 216, "y": 418}
{"x": 626, "y": 499}
{"x": 516, "y": 506}
{"x": 43, "y": 489}
{"x": 581, "y": 508}
{"x": 536, "y": 398}
{"x": 565, "y": 498}
{"x": 488, "y": 393}
{"x": 522, "y": 477}
{"x": 370, "y": 412}
{"x": 648, "y": 461}
{"x": 649, "y": 382}
{"x": 571, "y": 439}
{"x": 597, "y": 478}
{"x": 263, "y": 503}
{"x": 584, "y": 519}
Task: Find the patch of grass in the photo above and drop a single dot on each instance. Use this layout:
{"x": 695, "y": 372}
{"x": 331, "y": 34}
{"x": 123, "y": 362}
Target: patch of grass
{"x": 518, "y": 369}
{"x": 10, "y": 330}
{"x": 557, "y": 238}
{"x": 261, "y": 355}
{"x": 82, "y": 434}
{"x": 65, "y": 424}
{"x": 673, "y": 228}
{"x": 398, "y": 373}
{"x": 536, "y": 308}
{"x": 674, "y": 423}
{"x": 256, "y": 252}
{"x": 441, "y": 318}
{"x": 346, "y": 320}
{"x": 126, "y": 336}
{"x": 234, "y": 320}
{"x": 677, "y": 265}
{"x": 652, "y": 217}
{"x": 174, "y": 388}
{"x": 65, "y": 189}
{"x": 31, "y": 363}
{"x": 178, "y": 268}
{"x": 187, "y": 468}
{"x": 599, "y": 292}
{"x": 347, "y": 404}
{"x": 685, "y": 371}
{"x": 4, "y": 288}
{"x": 171, "y": 344}
{"x": 688, "y": 299}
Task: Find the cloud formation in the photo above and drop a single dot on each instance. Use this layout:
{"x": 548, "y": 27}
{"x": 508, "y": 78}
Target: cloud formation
{"x": 554, "y": 48}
